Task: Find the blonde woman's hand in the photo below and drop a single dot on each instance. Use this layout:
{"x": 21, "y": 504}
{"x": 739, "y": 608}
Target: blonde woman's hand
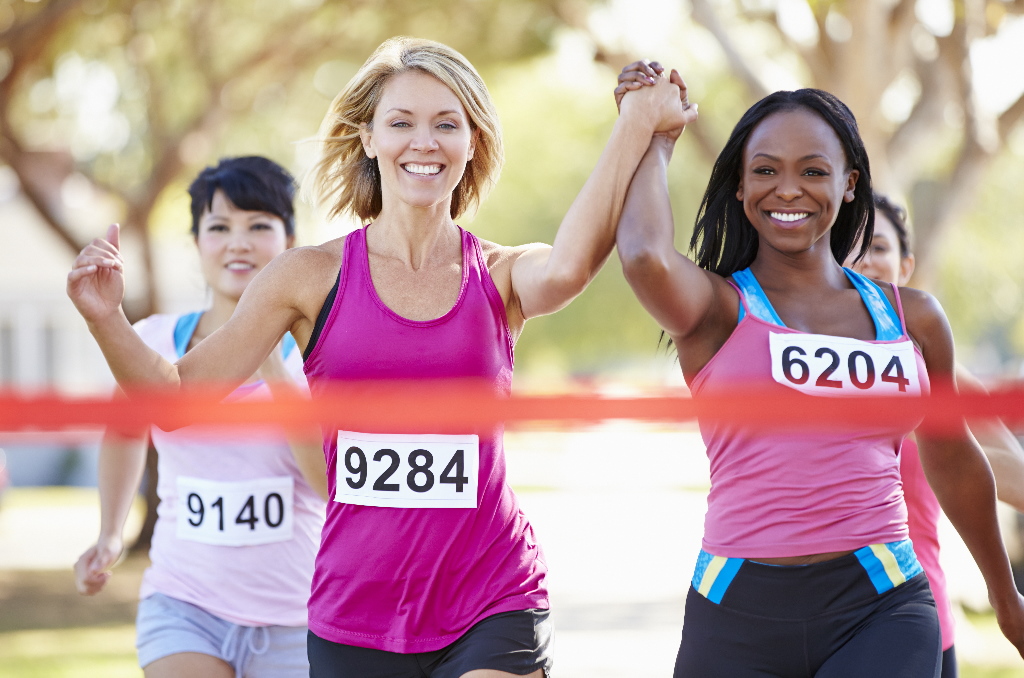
{"x": 96, "y": 281}
{"x": 664, "y": 103}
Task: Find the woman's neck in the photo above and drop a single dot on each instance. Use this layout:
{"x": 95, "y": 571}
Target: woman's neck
{"x": 415, "y": 236}
{"x": 221, "y": 308}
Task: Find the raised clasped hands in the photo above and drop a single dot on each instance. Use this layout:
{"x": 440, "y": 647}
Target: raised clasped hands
{"x": 664, "y": 97}
{"x": 96, "y": 281}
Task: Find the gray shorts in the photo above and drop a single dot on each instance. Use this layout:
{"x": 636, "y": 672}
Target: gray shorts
{"x": 166, "y": 626}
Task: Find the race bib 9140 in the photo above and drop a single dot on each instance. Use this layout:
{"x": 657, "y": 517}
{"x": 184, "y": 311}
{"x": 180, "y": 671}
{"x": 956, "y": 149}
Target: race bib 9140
{"x": 235, "y": 513}
{"x": 407, "y": 471}
{"x": 819, "y": 364}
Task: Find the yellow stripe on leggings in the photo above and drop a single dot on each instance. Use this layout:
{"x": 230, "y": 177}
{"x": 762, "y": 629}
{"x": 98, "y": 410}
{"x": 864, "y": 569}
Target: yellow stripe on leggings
{"x": 888, "y": 560}
{"x": 711, "y": 574}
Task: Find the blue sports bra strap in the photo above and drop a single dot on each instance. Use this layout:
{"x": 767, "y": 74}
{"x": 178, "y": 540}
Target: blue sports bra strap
{"x": 183, "y": 331}
{"x": 287, "y": 344}
{"x": 887, "y": 321}
{"x": 754, "y": 298}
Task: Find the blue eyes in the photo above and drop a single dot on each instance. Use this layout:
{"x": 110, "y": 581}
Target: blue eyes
{"x": 446, "y": 126}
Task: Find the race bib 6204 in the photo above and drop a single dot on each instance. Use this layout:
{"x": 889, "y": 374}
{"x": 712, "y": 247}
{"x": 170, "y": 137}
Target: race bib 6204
{"x": 819, "y": 364}
{"x": 235, "y": 513}
{"x": 407, "y": 471}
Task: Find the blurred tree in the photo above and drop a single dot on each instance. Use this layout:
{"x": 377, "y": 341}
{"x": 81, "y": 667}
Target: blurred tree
{"x": 869, "y": 50}
{"x": 907, "y": 68}
{"x": 120, "y": 98}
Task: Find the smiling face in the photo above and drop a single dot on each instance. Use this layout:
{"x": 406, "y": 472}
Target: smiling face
{"x": 234, "y": 245}
{"x": 422, "y": 139}
{"x": 793, "y": 180}
{"x": 883, "y": 260}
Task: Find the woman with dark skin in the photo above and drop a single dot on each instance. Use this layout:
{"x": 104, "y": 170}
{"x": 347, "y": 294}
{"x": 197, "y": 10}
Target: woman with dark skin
{"x": 806, "y": 567}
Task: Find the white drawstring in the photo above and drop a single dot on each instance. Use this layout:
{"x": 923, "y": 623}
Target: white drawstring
{"x": 245, "y": 638}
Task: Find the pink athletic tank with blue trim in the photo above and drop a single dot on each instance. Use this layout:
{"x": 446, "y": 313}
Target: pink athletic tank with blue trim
{"x": 833, "y": 488}
{"x": 394, "y": 571}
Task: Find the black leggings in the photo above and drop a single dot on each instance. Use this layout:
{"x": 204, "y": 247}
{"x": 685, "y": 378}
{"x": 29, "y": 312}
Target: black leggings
{"x": 825, "y": 620}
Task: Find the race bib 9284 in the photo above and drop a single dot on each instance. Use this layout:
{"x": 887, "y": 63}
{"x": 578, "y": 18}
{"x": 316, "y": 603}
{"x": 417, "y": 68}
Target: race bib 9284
{"x": 819, "y": 364}
{"x": 407, "y": 471}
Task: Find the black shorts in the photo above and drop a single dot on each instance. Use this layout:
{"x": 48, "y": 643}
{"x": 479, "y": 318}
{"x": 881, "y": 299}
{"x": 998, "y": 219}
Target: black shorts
{"x": 516, "y": 642}
{"x": 836, "y": 619}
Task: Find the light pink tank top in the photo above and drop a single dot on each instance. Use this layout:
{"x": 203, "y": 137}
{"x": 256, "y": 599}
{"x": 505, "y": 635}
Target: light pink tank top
{"x": 790, "y": 493}
{"x": 923, "y": 520}
{"x": 410, "y": 579}
{"x": 240, "y": 537}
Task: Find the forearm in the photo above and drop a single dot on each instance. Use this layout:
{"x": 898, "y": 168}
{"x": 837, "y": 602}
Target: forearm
{"x": 1006, "y": 458}
{"x": 121, "y": 464}
{"x": 646, "y": 230}
{"x": 131, "y": 361}
{"x": 961, "y": 479}
{"x": 587, "y": 233}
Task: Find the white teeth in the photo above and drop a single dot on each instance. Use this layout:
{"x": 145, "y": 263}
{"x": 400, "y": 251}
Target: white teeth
{"x": 784, "y": 216}
{"x": 240, "y": 266}
{"x": 423, "y": 170}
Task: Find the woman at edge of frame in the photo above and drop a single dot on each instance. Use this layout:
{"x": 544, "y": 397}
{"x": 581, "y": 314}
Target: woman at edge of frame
{"x": 806, "y": 568}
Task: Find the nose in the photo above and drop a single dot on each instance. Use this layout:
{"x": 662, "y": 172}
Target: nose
{"x": 788, "y": 187}
{"x": 240, "y": 240}
{"x": 424, "y": 139}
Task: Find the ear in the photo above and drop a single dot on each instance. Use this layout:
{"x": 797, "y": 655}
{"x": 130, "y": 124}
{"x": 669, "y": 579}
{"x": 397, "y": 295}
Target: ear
{"x": 906, "y": 269}
{"x": 472, "y": 143}
{"x": 366, "y": 136}
{"x": 739, "y": 190}
{"x": 289, "y": 242}
{"x": 851, "y": 184}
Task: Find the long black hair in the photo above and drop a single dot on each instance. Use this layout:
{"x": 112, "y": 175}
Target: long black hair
{"x": 250, "y": 182}
{"x": 724, "y": 239}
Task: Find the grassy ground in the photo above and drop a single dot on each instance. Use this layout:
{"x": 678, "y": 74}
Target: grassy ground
{"x": 47, "y": 630}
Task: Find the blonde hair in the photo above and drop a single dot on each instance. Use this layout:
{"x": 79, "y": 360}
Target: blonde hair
{"x": 348, "y": 181}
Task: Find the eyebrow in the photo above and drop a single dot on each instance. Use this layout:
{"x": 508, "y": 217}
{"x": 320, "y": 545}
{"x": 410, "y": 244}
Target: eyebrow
{"x": 812, "y": 156}
{"x": 408, "y": 112}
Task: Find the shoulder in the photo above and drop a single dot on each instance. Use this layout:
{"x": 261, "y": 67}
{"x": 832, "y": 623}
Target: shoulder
{"x": 928, "y": 326}
{"x": 922, "y": 311}
{"x": 305, "y": 268}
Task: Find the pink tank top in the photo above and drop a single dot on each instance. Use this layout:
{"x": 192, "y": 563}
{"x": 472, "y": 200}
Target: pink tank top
{"x": 237, "y": 526}
{"x": 923, "y": 519}
{"x": 394, "y": 572}
{"x": 791, "y": 493}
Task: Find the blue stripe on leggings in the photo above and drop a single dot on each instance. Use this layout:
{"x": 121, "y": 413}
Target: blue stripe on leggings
{"x": 724, "y": 578}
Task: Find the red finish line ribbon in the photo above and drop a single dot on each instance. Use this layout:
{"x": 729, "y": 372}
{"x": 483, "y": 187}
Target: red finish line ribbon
{"x": 421, "y": 406}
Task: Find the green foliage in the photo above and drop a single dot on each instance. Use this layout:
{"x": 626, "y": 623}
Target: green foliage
{"x": 981, "y": 278}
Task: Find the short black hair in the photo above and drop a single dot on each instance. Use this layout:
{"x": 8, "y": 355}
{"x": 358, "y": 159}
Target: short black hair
{"x": 723, "y": 238}
{"x": 897, "y": 216}
{"x": 250, "y": 182}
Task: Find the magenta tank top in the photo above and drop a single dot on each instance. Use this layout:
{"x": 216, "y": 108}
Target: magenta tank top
{"x": 396, "y": 572}
{"x": 790, "y": 493}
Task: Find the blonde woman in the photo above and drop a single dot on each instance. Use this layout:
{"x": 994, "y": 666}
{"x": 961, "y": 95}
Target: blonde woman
{"x": 427, "y": 567}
